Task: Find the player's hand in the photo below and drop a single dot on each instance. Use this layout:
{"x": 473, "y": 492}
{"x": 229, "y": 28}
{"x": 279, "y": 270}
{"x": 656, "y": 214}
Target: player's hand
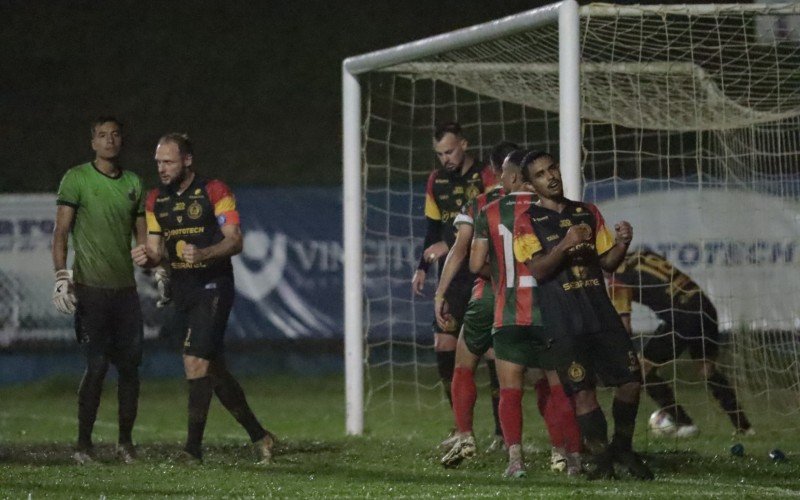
{"x": 192, "y": 254}
{"x": 63, "y": 294}
{"x": 440, "y": 310}
{"x": 624, "y": 232}
{"x": 139, "y": 255}
{"x": 576, "y": 235}
{"x": 436, "y": 252}
{"x": 418, "y": 281}
{"x": 163, "y": 284}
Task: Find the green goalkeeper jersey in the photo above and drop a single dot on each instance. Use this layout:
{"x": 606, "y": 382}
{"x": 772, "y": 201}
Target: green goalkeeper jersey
{"x": 106, "y": 209}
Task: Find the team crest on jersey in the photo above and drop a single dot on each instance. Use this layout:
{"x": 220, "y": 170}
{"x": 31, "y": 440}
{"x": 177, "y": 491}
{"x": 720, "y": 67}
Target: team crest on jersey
{"x": 472, "y": 191}
{"x": 195, "y": 210}
{"x": 576, "y": 372}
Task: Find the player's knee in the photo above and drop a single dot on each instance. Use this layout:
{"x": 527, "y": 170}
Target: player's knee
{"x": 585, "y": 402}
{"x": 96, "y": 366}
{"x": 629, "y": 392}
{"x": 195, "y": 367}
{"x": 444, "y": 342}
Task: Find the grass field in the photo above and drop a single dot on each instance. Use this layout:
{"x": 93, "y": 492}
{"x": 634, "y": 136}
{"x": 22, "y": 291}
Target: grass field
{"x": 397, "y": 457}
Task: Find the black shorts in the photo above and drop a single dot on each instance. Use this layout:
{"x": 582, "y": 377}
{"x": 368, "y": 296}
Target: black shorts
{"x": 204, "y": 310}
{"x": 582, "y": 360}
{"x": 457, "y": 297}
{"x": 668, "y": 342}
{"x": 108, "y": 322}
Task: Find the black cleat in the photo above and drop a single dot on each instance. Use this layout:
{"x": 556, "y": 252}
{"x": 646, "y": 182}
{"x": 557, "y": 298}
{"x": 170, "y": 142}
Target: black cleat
{"x": 633, "y": 464}
{"x": 600, "y": 467}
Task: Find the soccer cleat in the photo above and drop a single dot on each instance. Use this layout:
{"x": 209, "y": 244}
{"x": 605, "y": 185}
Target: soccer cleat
{"x": 84, "y": 457}
{"x": 449, "y": 441}
{"x": 463, "y": 449}
{"x": 558, "y": 460}
{"x": 600, "y": 467}
{"x": 686, "y": 431}
{"x": 126, "y": 453}
{"x": 574, "y": 466}
{"x": 187, "y": 458}
{"x": 497, "y": 444}
{"x": 516, "y": 464}
{"x": 745, "y": 432}
{"x": 264, "y": 448}
{"x": 633, "y": 464}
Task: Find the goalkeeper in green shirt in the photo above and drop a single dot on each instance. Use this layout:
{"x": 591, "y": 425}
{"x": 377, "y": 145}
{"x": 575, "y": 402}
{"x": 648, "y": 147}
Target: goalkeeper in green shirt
{"x": 102, "y": 206}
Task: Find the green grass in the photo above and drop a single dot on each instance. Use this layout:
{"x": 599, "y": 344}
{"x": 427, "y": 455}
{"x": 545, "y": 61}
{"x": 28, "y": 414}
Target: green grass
{"x": 396, "y": 458}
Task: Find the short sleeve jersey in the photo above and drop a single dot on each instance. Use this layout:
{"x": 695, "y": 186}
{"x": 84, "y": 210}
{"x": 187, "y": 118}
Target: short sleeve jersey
{"x": 574, "y": 299}
{"x": 194, "y": 217}
{"x": 448, "y": 193}
{"x": 516, "y": 296}
{"x": 106, "y": 209}
{"x": 467, "y": 216}
{"x": 651, "y": 280}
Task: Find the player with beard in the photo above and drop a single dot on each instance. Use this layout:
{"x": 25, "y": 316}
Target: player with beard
{"x": 193, "y": 224}
{"x": 449, "y": 189}
{"x": 567, "y": 252}
{"x": 517, "y": 331}
{"x": 101, "y": 204}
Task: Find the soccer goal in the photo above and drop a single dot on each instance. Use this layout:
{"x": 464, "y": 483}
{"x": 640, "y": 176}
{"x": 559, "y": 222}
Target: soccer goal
{"x": 684, "y": 120}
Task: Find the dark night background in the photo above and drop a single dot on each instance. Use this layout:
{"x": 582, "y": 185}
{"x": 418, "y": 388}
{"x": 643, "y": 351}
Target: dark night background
{"x": 256, "y": 84}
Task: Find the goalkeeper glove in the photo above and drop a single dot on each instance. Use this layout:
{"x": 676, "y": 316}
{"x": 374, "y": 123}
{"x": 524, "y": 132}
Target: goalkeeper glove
{"x": 164, "y": 291}
{"x": 63, "y": 294}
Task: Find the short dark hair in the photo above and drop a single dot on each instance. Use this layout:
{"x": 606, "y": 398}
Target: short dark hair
{"x": 528, "y": 160}
{"x": 500, "y": 152}
{"x": 447, "y": 128}
{"x": 185, "y": 146}
{"x": 101, "y": 120}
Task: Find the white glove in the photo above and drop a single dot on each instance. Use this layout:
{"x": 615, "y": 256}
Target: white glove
{"x": 162, "y": 283}
{"x": 63, "y": 293}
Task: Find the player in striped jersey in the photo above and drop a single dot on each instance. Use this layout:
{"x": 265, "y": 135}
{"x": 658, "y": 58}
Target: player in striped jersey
{"x": 567, "y": 252}
{"x": 518, "y": 336}
{"x": 475, "y": 338}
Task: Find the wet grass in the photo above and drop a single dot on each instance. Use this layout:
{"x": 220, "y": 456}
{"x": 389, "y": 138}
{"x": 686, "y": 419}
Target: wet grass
{"x": 396, "y": 457}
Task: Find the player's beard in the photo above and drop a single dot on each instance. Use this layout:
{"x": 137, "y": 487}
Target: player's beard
{"x": 175, "y": 182}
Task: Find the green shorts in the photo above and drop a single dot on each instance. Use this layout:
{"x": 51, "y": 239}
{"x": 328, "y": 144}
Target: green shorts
{"x": 520, "y": 345}
{"x": 478, "y": 323}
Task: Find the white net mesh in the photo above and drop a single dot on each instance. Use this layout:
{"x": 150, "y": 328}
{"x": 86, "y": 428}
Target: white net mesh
{"x": 691, "y": 124}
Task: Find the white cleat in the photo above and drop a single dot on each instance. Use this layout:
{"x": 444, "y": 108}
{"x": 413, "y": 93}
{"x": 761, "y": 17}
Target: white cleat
{"x": 449, "y": 441}
{"x": 574, "y": 466}
{"x": 686, "y": 431}
{"x": 464, "y": 448}
{"x": 516, "y": 464}
{"x": 558, "y": 460}
{"x": 496, "y": 445}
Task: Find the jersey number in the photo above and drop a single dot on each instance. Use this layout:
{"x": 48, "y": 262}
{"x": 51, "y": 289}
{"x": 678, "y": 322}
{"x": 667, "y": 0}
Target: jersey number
{"x": 508, "y": 253}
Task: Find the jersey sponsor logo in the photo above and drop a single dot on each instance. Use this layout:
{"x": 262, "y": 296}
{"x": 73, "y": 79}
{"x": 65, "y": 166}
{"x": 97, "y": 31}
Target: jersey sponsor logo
{"x": 180, "y": 219}
{"x": 195, "y": 210}
{"x": 578, "y": 210}
{"x": 441, "y": 181}
{"x": 162, "y": 199}
{"x": 475, "y": 175}
{"x": 576, "y": 372}
{"x": 459, "y": 202}
{"x": 553, "y": 237}
{"x": 198, "y": 191}
{"x": 185, "y": 230}
{"x": 565, "y": 223}
{"x": 580, "y": 272}
{"x": 540, "y": 219}
{"x": 177, "y": 207}
{"x": 458, "y": 190}
{"x": 578, "y": 284}
{"x": 179, "y": 246}
{"x": 162, "y": 215}
{"x": 444, "y": 196}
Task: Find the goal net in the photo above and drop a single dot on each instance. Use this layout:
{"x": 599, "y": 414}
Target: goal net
{"x": 690, "y": 122}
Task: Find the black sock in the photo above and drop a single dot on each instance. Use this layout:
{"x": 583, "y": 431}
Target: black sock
{"x": 661, "y": 392}
{"x": 89, "y": 399}
{"x": 494, "y": 383}
{"x": 128, "y": 401}
{"x": 199, "y": 400}
{"x": 446, "y": 361}
{"x": 232, "y": 397}
{"x": 723, "y": 392}
{"x": 594, "y": 431}
{"x": 624, "y": 424}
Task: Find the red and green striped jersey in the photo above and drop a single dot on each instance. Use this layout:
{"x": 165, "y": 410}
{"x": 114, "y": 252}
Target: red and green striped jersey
{"x": 467, "y": 216}
{"x": 516, "y": 300}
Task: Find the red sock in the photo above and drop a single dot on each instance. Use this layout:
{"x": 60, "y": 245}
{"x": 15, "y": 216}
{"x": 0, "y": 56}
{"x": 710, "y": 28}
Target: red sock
{"x": 464, "y": 396}
{"x": 542, "y": 395}
{"x": 511, "y": 415}
{"x": 562, "y": 414}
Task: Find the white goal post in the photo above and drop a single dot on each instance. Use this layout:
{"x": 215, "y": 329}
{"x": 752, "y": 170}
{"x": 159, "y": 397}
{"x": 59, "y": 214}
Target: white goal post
{"x": 664, "y": 91}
